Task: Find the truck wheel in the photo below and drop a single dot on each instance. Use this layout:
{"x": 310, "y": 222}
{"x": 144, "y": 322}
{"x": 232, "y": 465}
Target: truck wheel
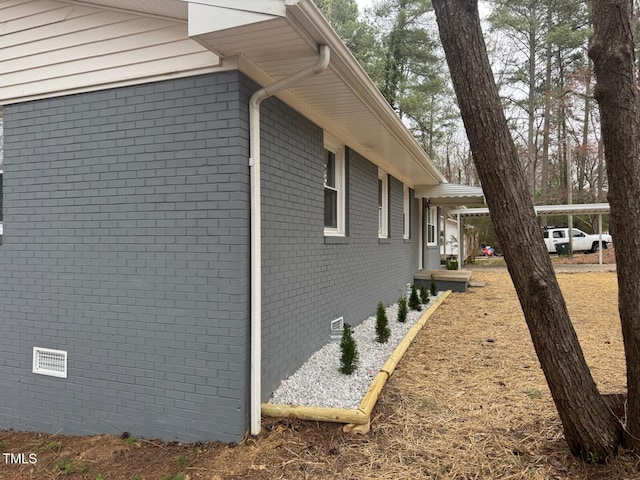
{"x": 595, "y": 246}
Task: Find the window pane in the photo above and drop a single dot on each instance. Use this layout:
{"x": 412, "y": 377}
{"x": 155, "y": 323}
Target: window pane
{"x": 432, "y": 222}
{"x": 329, "y": 169}
{"x": 379, "y": 193}
{"x": 431, "y": 233}
{"x": 330, "y": 208}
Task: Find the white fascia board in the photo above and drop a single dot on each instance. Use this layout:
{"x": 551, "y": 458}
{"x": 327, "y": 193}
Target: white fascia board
{"x": 215, "y": 15}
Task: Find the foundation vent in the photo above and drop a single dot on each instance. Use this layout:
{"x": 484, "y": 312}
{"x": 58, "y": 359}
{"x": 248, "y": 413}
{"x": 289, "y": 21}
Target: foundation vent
{"x": 50, "y": 362}
{"x": 337, "y": 326}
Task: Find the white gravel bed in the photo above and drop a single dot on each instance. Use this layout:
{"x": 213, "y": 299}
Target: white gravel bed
{"x": 319, "y": 383}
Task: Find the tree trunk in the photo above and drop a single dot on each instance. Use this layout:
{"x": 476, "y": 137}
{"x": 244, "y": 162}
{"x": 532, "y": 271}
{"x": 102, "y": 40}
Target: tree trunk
{"x": 563, "y": 142}
{"x": 600, "y": 195}
{"x": 546, "y": 129}
{"x": 617, "y": 93}
{"x": 531, "y": 104}
{"x": 584, "y": 150}
{"x": 591, "y": 429}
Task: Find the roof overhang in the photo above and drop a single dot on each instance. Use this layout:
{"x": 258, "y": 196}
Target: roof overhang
{"x": 451, "y": 194}
{"x": 272, "y": 39}
{"x": 542, "y": 210}
{"x": 269, "y": 40}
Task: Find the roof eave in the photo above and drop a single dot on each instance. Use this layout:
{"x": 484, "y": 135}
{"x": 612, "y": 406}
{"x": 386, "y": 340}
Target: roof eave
{"x": 309, "y": 17}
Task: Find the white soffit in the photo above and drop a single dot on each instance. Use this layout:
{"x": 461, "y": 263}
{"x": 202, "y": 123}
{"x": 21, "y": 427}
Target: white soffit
{"x": 342, "y": 99}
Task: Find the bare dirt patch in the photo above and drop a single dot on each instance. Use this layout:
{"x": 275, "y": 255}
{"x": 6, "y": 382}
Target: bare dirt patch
{"x": 608, "y": 258}
{"x": 578, "y": 258}
{"x": 468, "y": 401}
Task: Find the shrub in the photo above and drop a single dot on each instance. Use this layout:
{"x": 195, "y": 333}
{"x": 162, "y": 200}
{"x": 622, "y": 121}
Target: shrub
{"x": 382, "y": 324}
{"x": 434, "y": 288}
{"x": 424, "y": 294}
{"x": 414, "y": 301}
{"x": 349, "y": 350}
{"x": 402, "y": 309}
{"x": 452, "y": 264}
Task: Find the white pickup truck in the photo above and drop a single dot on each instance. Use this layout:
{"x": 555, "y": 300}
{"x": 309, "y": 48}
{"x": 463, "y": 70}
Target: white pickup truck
{"x": 582, "y": 242}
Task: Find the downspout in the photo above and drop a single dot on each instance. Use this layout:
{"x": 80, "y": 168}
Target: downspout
{"x": 256, "y": 228}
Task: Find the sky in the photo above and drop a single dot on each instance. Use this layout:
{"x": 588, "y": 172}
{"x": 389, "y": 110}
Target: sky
{"x": 484, "y": 9}
{"x": 362, "y": 4}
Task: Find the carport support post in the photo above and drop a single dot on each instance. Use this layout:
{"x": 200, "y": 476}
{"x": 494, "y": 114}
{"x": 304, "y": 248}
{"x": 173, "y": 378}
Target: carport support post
{"x": 444, "y": 236}
{"x": 460, "y": 243}
{"x": 600, "y": 239}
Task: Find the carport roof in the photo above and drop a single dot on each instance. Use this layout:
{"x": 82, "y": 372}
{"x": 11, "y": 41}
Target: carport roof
{"x": 576, "y": 209}
{"x": 451, "y": 194}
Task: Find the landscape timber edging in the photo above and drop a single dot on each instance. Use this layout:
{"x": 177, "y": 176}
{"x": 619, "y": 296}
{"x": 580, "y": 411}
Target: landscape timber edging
{"x": 357, "y": 420}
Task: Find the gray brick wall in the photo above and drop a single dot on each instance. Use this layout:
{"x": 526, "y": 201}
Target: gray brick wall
{"x": 126, "y": 225}
{"x": 307, "y": 282}
{"x": 126, "y": 244}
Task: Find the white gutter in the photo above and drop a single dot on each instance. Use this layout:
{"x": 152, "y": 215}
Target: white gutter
{"x": 256, "y": 228}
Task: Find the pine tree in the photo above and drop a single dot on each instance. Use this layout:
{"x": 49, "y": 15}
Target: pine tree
{"x": 414, "y": 301}
{"x": 424, "y": 294}
{"x": 382, "y": 325}
{"x": 402, "y": 309}
{"x": 349, "y": 350}
{"x": 434, "y": 288}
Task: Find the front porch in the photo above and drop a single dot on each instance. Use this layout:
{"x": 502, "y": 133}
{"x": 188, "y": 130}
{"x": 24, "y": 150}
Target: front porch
{"x": 455, "y": 280}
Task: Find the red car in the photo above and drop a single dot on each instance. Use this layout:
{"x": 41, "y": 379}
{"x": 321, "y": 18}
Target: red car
{"x": 488, "y": 251}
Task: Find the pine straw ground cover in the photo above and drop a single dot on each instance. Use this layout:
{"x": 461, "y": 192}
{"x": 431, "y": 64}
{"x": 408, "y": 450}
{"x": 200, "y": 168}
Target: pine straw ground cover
{"x": 468, "y": 401}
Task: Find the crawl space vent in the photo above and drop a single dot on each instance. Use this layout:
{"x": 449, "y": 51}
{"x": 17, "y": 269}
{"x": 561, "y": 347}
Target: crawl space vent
{"x": 337, "y": 325}
{"x": 50, "y": 362}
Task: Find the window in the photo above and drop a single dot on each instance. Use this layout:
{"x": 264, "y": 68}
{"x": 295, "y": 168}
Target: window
{"x": 558, "y": 234}
{"x": 407, "y": 213}
{"x": 432, "y": 225}
{"x": 1, "y": 167}
{"x": 383, "y": 204}
{"x": 334, "y": 188}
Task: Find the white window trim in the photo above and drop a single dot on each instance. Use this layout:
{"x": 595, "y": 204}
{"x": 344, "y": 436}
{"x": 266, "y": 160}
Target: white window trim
{"x": 407, "y": 213}
{"x": 383, "y": 210}
{"x": 334, "y": 146}
{"x": 432, "y": 216}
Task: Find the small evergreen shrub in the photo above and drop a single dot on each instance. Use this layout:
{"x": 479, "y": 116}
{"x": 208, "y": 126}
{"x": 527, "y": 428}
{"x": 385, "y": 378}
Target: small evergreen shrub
{"x": 349, "y": 350}
{"x": 434, "y": 289}
{"x": 382, "y": 324}
{"x": 402, "y": 309}
{"x": 414, "y": 301}
{"x": 424, "y": 294}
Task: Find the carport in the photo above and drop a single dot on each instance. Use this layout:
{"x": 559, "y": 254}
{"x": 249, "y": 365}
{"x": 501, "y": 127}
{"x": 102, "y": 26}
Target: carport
{"x": 541, "y": 210}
